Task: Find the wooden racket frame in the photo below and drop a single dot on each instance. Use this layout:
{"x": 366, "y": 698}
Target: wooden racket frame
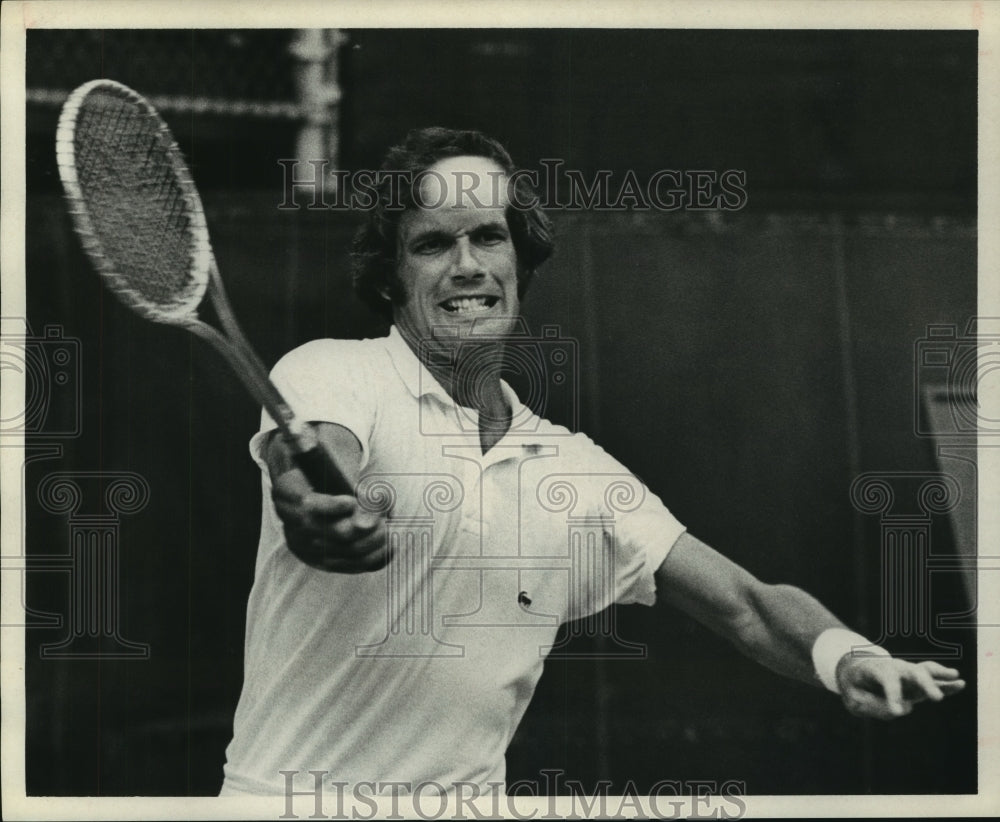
{"x": 307, "y": 450}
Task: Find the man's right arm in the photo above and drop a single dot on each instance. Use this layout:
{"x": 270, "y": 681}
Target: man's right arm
{"x": 330, "y": 533}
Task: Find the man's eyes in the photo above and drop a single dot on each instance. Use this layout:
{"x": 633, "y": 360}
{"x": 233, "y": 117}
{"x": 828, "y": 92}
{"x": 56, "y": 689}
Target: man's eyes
{"x": 437, "y": 245}
{"x": 492, "y": 237}
{"x": 431, "y": 246}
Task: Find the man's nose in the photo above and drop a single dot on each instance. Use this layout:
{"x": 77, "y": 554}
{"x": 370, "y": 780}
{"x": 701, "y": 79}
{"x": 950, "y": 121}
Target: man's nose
{"x": 467, "y": 265}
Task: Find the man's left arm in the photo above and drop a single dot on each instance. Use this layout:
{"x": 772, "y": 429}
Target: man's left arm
{"x": 779, "y": 625}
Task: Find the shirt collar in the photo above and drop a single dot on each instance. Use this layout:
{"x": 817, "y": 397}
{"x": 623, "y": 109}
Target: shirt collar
{"x": 420, "y": 382}
{"x": 414, "y": 374}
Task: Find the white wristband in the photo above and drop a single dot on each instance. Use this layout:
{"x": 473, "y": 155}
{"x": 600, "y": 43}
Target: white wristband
{"x": 831, "y": 646}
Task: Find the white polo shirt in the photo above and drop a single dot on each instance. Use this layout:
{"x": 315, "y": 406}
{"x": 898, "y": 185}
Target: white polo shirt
{"x": 420, "y": 672}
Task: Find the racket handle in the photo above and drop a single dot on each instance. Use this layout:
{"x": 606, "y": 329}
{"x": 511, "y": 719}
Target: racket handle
{"x": 321, "y": 471}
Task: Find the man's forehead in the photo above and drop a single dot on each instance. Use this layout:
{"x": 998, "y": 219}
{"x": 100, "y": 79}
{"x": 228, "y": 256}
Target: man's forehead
{"x": 464, "y": 183}
{"x": 425, "y": 221}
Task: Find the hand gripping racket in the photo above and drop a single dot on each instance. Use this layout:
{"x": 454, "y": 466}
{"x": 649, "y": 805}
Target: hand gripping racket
{"x": 141, "y": 222}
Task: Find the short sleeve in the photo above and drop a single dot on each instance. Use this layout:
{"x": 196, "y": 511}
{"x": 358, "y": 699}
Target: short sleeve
{"x": 325, "y": 381}
{"x": 644, "y": 537}
{"x": 638, "y": 532}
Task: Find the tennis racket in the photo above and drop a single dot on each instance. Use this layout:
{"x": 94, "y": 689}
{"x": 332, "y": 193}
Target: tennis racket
{"x": 137, "y": 212}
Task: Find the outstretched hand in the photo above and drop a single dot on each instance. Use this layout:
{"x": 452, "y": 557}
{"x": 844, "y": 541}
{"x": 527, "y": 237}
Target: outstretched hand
{"x": 331, "y": 533}
{"x": 882, "y": 687}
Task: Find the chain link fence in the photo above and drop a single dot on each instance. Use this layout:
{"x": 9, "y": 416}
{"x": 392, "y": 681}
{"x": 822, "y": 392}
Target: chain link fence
{"x": 226, "y": 72}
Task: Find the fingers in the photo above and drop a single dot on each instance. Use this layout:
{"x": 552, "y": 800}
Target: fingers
{"x": 331, "y": 533}
{"x": 322, "y": 558}
{"x": 314, "y": 510}
{"x": 351, "y": 528}
{"x": 892, "y": 691}
{"x": 327, "y": 552}
{"x": 290, "y": 485}
{"x": 292, "y": 488}
{"x": 350, "y": 544}
{"x": 299, "y": 506}
{"x": 940, "y": 672}
{"x": 873, "y": 706}
{"x": 872, "y": 688}
{"x": 920, "y": 684}
{"x": 886, "y": 688}
{"x": 935, "y": 681}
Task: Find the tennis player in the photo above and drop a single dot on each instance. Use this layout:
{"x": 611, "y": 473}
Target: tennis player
{"x": 396, "y": 636}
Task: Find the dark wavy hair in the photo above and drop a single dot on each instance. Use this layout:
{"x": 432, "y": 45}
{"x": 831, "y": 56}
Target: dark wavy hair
{"x": 374, "y": 251}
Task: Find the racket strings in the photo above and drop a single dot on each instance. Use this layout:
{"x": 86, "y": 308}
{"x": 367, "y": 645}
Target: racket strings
{"x": 137, "y": 206}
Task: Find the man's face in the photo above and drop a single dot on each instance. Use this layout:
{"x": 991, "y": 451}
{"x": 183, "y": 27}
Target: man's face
{"x": 456, "y": 261}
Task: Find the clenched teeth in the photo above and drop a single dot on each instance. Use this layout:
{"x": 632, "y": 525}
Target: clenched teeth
{"x": 463, "y": 305}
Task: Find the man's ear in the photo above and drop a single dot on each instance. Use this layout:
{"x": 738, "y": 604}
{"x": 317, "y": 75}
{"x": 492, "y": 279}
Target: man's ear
{"x": 389, "y": 291}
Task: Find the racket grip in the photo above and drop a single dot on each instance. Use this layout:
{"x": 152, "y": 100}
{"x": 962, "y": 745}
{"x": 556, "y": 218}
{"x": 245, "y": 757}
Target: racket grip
{"x": 323, "y": 474}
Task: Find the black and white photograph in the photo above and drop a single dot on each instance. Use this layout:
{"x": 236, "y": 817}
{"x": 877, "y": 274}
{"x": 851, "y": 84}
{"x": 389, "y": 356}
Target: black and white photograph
{"x": 477, "y": 411}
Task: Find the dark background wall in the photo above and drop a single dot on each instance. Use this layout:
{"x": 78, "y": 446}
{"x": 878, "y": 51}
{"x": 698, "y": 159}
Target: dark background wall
{"x": 746, "y": 365}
